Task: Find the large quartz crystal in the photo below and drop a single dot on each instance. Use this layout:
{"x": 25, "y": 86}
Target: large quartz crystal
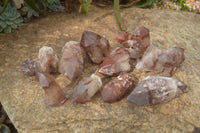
{"x": 86, "y": 89}
{"x": 53, "y": 94}
{"x": 157, "y": 60}
{"x": 71, "y": 62}
{"x": 96, "y": 46}
{"x": 137, "y": 42}
{"x": 116, "y": 88}
{"x": 47, "y": 60}
{"x": 156, "y": 89}
{"x": 117, "y": 62}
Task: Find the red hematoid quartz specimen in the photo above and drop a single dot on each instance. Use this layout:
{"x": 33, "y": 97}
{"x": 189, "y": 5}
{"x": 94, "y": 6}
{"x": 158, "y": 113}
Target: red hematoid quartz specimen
{"x": 117, "y": 62}
{"x": 47, "y": 61}
{"x": 116, "y": 88}
{"x": 53, "y": 94}
{"x": 137, "y": 42}
{"x": 86, "y": 89}
{"x": 156, "y": 89}
{"x": 71, "y": 62}
{"x": 96, "y": 46}
{"x": 157, "y": 60}
{"x": 28, "y": 67}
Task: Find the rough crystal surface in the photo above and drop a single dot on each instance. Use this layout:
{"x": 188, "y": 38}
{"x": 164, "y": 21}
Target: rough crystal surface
{"x": 53, "y": 94}
{"x": 157, "y": 60}
{"x": 28, "y": 67}
{"x": 71, "y": 62}
{"x": 86, "y": 89}
{"x": 156, "y": 89}
{"x": 117, "y": 62}
{"x": 96, "y": 46}
{"x": 116, "y": 88}
{"x": 47, "y": 60}
{"x": 137, "y": 42}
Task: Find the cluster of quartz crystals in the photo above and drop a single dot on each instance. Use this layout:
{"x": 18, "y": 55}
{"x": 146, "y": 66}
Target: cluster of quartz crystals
{"x": 136, "y": 43}
{"x": 151, "y": 90}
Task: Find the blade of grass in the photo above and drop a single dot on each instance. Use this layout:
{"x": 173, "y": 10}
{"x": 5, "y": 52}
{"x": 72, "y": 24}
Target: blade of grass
{"x": 33, "y": 5}
{"x": 4, "y": 6}
{"x": 117, "y": 15}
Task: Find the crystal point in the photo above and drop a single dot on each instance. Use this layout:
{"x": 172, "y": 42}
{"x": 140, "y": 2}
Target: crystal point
{"x": 86, "y": 89}
{"x": 156, "y": 90}
{"x": 71, "y": 62}
{"x": 96, "y": 46}
{"x": 116, "y": 88}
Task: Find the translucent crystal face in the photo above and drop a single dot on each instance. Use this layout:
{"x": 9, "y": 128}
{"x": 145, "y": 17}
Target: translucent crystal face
{"x": 96, "y": 46}
{"x": 156, "y": 89}
{"x": 117, "y": 62}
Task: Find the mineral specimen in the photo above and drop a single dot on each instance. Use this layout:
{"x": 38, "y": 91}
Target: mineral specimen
{"x": 117, "y": 62}
{"x": 47, "y": 60}
{"x": 53, "y": 95}
{"x": 86, "y": 89}
{"x": 28, "y": 67}
{"x": 71, "y": 62}
{"x": 116, "y": 88}
{"x": 157, "y": 60}
{"x": 156, "y": 89}
{"x": 136, "y": 43}
{"x": 96, "y": 46}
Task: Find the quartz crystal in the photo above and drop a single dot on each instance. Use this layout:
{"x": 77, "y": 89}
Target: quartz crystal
{"x": 71, "y": 62}
{"x": 136, "y": 43}
{"x": 117, "y": 62}
{"x": 157, "y": 60}
{"x": 156, "y": 89}
{"x": 86, "y": 89}
{"x": 116, "y": 88}
{"x": 28, "y": 67}
{"x": 53, "y": 94}
{"x": 47, "y": 61}
{"x": 96, "y": 46}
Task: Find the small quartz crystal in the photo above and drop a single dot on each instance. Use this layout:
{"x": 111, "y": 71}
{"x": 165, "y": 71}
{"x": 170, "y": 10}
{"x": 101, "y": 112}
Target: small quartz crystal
{"x": 157, "y": 60}
{"x": 96, "y": 46}
{"x": 28, "y": 67}
{"x": 86, "y": 89}
{"x": 116, "y": 88}
{"x": 117, "y": 62}
{"x": 47, "y": 61}
{"x": 156, "y": 89}
{"x": 53, "y": 94}
{"x": 137, "y": 42}
{"x": 71, "y": 62}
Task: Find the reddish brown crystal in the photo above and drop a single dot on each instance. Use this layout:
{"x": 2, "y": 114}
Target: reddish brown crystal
{"x": 116, "y": 88}
{"x": 96, "y": 46}
{"x": 157, "y": 60}
{"x": 156, "y": 89}
{"x": 136, "y": 43}
{"x": 47, "y": 60}
{"x": 86, "y": 89}
{"x": 28, "y": 67}
{"x": 117, "y": 62}
{"x": 71, "y": 62}
{"x": 53, "y": 94}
